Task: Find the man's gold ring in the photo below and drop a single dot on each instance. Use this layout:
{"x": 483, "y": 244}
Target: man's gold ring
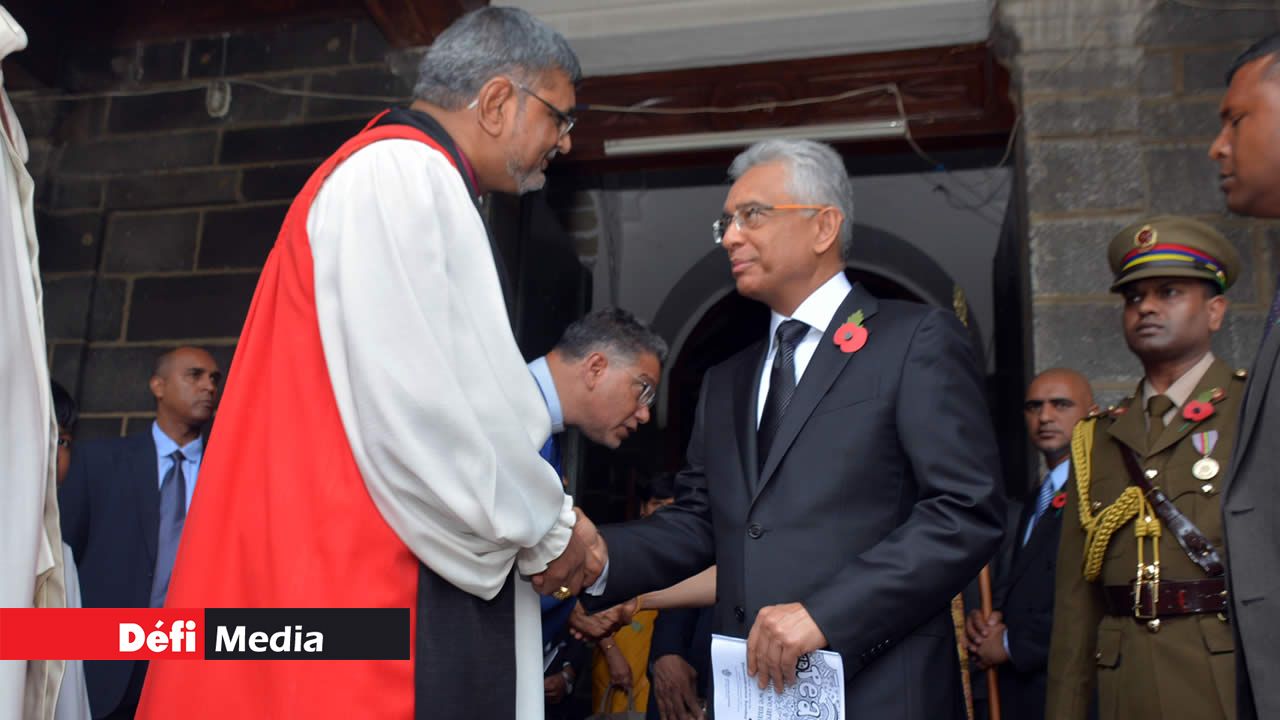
{"x": 561, "y": 594}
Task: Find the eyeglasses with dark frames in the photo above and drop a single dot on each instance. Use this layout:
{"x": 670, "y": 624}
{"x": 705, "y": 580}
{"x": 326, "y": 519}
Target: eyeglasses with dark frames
{"x": 564, "y": 120}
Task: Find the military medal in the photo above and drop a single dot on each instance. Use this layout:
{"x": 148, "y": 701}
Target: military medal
{"x": 1206, "y": 468}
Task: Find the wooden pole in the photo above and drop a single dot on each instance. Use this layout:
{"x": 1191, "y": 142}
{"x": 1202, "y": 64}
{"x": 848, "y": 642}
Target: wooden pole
{"x": 993, "y": 683}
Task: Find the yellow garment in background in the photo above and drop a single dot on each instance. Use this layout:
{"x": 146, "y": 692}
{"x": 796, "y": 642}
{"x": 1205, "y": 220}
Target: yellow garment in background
{"x": 633, "y": 640}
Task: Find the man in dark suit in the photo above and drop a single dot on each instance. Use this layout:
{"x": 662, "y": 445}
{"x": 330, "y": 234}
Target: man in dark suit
{"x": 1248, "y": 157}
{"x": 1016, "y": 637}
{"x": 842, "y": 473}
{"x": 123, "y": 505}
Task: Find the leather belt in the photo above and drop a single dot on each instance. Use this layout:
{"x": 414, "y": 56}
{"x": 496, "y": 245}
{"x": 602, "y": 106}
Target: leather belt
{"x": 1173, "y": 597}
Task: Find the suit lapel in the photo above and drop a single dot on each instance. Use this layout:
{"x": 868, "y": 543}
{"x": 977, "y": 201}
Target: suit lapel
{"x": 1256, "y": 390}
{"x": 825, "y": 366}
{"x": 1024, "y": 517}
{"x": 1045, "y": 530}
{"x": 1217, "y": 376}
{"x": 142, "y": 474}
{"x": 1131, "y": 427}
{"x": 746, "y": 386}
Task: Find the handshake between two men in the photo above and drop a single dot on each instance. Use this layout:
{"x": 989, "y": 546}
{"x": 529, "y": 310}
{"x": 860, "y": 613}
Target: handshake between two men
{"x": 780, "y": 634}
{"x": 579, "y": 566}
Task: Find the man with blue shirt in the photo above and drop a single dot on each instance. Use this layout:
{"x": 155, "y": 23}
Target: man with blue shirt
{"x": 123, "y": 506}
{"x": 602, "y": 378}
{"x": 1015, "y": 638}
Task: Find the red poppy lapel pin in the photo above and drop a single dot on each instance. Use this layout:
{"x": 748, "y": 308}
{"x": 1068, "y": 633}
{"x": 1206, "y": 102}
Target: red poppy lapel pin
{"x": 851, "y": 336}
{"x": 1201, "y": 408}
{"x": 1197, "y": 410}
{"x": 1059, "y": 501}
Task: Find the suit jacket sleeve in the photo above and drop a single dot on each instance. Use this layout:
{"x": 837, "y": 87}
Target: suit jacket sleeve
{"x": 73, "y": 500}
{"x": 1077, "y": 606}
{"x": 1029, "y": 642}
{"x": 674, "y": 543}
{"x": 957, "y": 521}
{"x": 1002, "y": 563}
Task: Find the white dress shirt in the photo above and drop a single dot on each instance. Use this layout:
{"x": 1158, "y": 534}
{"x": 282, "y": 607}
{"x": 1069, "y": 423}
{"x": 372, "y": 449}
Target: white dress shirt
{"x": 816, "y": 311}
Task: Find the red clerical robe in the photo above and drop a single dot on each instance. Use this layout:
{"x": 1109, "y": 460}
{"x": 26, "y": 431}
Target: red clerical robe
{"x": 283, "y": 515}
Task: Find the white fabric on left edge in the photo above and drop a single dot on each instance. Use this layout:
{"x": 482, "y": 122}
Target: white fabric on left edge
{"x": 442, "y": 415}
{"x": 30, "y": 535}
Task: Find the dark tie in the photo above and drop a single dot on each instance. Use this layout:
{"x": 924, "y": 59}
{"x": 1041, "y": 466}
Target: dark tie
{"x": 1042, "y": 504}
{"x": 1157, "y": 406}
{"x": 173, "y": 513}
{"x": 782, "y": 385}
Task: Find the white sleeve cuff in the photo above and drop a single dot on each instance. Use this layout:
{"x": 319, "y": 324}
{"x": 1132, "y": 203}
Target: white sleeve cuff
{"x": 597, "y": 587}
{"x": 533, "y": 560}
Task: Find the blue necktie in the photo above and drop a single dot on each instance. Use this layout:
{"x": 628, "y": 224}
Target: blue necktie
{"x": 1042, "y": 504}
{"x": 551, "y": 453}
{"x": 173, "y": 513}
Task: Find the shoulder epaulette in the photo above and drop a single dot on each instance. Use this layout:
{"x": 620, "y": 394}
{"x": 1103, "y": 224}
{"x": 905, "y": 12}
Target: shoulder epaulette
{"x": 1111, "y": 411}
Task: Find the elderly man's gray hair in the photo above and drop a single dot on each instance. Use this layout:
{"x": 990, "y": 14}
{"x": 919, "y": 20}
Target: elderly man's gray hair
{"x": 486, "y": 43}
{"x": 816, "y": 175}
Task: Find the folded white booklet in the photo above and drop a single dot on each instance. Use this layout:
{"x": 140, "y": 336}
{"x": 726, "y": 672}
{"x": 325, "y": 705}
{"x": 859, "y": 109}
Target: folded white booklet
{"x": 818, "y": 693}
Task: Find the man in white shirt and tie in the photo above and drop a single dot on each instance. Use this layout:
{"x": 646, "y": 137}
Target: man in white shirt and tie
{"x": 841, "y": 473}
{"x": 1016, "y": 638}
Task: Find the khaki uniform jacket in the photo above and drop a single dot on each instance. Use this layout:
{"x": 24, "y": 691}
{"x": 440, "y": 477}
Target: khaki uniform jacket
{"x": 1185, "y": 669}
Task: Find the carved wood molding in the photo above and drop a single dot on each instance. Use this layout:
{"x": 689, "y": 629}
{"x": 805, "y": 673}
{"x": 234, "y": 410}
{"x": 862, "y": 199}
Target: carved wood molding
{"x": 410, "y": 23}
{"x": 950, "y": 93}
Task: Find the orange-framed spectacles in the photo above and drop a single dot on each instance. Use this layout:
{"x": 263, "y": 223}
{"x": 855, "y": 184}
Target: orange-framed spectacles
{"x": 752, "y": 217}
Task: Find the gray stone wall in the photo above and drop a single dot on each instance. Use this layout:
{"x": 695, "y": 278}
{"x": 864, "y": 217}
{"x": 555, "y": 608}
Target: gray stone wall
{"x": 1119, "y": 105}
{"x": 155, "y": 217}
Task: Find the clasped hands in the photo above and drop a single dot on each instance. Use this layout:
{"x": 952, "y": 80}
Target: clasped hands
{"x": 579, "y": 565}
{"x": 986, "y": 639}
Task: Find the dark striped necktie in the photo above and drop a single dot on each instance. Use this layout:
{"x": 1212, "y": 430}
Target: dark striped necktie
{"x": 782, "y": 385}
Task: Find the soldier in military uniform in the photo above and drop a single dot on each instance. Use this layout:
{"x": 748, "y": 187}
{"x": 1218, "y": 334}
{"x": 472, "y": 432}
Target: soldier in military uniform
{"x": 1140, "y": 598}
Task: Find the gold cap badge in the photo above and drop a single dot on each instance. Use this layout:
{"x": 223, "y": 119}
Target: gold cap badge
{"x": 1145, "y": 238}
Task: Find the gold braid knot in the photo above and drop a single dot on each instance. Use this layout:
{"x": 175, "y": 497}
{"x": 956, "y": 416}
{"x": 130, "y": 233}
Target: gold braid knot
{"x": 1100, "y": 527}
